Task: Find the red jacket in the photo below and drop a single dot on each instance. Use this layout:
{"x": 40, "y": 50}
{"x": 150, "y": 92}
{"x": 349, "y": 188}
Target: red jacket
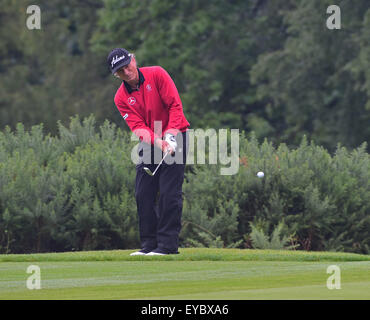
{"x": 157, "y": 99}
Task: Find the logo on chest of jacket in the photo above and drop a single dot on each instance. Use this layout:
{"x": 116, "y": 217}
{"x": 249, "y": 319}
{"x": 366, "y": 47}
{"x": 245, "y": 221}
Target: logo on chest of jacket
{"x": 148, "y": 87}
{"x": 131, "y": 101}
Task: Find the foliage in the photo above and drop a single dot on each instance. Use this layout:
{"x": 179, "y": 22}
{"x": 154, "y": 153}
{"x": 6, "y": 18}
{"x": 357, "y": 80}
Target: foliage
{"x": 298, "y": 91}
{"x": 75, "y": 191}
{"x": 260, "y": 240}
{"x": 59, "y": 193}
{"x": 271, "y": 67}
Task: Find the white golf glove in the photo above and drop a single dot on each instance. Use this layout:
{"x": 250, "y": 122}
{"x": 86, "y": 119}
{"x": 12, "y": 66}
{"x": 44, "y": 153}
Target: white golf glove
{"x": 171, "y": 140}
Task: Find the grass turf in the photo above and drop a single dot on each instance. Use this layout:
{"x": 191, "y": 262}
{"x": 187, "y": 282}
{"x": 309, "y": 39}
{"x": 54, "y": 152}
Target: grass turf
{"x": 193, "y": 274}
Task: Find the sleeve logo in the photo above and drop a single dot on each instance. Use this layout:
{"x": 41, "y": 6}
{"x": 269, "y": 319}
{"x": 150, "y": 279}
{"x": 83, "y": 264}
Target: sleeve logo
{"x": 125, "y": 116}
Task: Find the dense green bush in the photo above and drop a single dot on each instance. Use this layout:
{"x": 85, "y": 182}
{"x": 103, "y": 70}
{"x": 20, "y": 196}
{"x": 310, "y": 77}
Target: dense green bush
{"x": 322, "y": 199}
{"x": 75, "y": 191}
{"x": 72, "y": 192}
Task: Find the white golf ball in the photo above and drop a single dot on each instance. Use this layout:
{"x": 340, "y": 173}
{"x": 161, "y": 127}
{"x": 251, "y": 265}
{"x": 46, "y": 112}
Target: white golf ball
{"x": 260, "y": 174}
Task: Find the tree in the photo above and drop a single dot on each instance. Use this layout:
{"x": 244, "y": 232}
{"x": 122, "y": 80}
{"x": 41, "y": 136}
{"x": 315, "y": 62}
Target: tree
{"x": 308, "y": 85}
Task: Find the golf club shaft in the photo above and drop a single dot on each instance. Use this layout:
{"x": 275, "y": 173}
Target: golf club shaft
{"x": 160, "y": 163}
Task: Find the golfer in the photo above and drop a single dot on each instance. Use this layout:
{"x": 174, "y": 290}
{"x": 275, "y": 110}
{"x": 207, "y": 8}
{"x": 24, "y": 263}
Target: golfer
{"x": 150, "y": 104}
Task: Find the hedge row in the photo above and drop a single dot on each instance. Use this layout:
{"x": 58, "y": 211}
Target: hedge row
{"x": 75, "y": 191}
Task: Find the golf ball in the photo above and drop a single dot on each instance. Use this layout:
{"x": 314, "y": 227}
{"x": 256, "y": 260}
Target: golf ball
{"x": 260, "y": 174}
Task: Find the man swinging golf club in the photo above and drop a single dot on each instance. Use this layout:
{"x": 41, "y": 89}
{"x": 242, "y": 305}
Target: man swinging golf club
{"x": 148, "y": 97}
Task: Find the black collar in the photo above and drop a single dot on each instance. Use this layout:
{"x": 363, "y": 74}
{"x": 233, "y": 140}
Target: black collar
{"x": 141, "y": 81}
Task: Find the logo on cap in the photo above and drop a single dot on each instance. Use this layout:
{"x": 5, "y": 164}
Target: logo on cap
{"x": 116, "y": 59}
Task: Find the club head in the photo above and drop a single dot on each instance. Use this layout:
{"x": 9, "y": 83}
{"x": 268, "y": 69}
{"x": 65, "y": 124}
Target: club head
{"x": 147, "y": 170}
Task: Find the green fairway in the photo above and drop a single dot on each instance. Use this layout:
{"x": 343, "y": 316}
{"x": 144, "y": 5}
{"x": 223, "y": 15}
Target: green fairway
{"x": 193, "y": 274}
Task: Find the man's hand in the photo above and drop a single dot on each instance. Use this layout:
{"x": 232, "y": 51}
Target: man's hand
{"x": 171, "y": 140}
{"x": 164, "y": 146}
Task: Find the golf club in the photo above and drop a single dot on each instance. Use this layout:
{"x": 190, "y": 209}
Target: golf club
{"x": 147, "y": 170}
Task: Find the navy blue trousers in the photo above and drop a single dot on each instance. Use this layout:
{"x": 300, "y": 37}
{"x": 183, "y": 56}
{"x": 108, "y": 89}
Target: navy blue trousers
{"x": 159, "y": 199}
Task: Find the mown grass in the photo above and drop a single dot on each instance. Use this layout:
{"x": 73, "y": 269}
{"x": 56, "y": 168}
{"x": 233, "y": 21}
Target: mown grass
{"x": 196, "y": 273}
{"x": 189, "y": 254}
